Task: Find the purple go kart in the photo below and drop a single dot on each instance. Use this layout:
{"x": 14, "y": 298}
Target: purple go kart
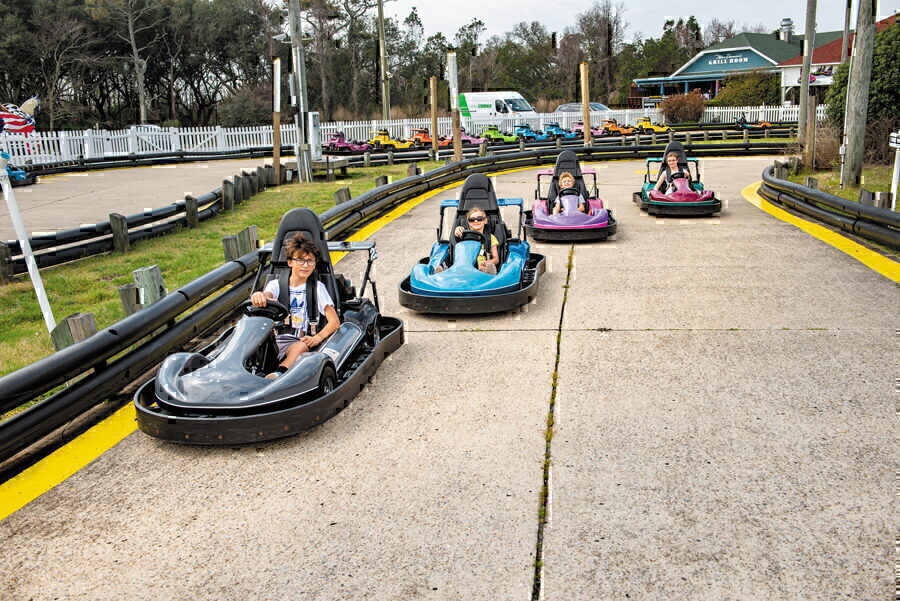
{"x": 339, "y": 143}
{"x": 578, "y": 127}
{"x": 570, "y": 224}
{"x": 467, "y": 139}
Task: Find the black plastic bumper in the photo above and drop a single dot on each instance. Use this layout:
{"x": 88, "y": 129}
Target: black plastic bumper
{"x": 497, "y": 303}
{"x": 205, "y": 429}
{"x": 668, "y": 209}
{"x": 545, "y": 234}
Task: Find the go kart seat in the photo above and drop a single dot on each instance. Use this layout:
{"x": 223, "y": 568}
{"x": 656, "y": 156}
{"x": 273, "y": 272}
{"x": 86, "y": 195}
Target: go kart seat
{"x": 306, "y": 222}
{"x": 477, "y": 191}
{"x": 566, "y": 161}
{"x": 664, "y": 170}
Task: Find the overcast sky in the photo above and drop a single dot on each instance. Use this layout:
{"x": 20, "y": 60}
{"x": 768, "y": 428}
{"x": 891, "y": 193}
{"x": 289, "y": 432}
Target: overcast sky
{"x": 645, "y": 17}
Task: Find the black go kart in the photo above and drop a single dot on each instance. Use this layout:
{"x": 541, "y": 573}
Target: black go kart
{"x": 220, "y": 395}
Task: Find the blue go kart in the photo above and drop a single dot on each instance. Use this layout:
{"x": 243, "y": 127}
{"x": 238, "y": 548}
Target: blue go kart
{"x": 554, "y": 130}
{"x": 461, "y": 287}
{"x": 17, "y": 177}
{"x": 524, "y": 131}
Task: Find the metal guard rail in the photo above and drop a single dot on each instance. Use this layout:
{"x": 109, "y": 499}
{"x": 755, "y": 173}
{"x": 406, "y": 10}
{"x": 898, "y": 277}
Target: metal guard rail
{"x": 35, "y": 380}
{"x": 874, "y": 223}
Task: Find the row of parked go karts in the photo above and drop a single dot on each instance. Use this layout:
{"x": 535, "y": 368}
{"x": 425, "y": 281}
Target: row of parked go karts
{"x": 421, "y": 138}
{"x": 218, "y": 395}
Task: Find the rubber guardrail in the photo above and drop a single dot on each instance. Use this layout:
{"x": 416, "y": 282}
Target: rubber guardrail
{"x": 873, "y": 223}
{"x": 111, "y": 359}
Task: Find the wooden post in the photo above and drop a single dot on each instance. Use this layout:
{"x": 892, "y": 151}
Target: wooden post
{"x": 457, "y": 135}
{"x": 381, "y": 180}
{"x": 766, "y": 133}
{"x": 809, "y": 140}
{"x": 271, "y": 178}
{"x": 706, "y": 135}
{"x": 230, "y": 247}
{"x": 6, "y": 268}
{"x": 671, "y": 135}
{"x": 687, "y": 139}
{"x": 119, "y": 227}
{"x": 190, "y": 211}
{"x": 342, "y": 196}
{"x": 521, "y": 144}
{"x": 227, "y": 195}
{"x": 329, "y": 170}
{"x": 150, "y": 285}
{"x": 585, "y": 103}
{"x": 812, "y": 182}
{"x": 432, "y": 88}
{"x": 367, "y": 159}
{"x": 653, "y": 138}
{"x": 558, "y": 143}
{"x": 390, "y": 157}
{"x": 413, "y": 169}
{"x": 276, "y": 119}
{"x": 883, "y": 200}
{"x": 247, "y": 240}
{"x": 254, "y": 182}
{"x": 262, "y": 180}
{"x": 432, "y": 154}
{"x": 746, "y": 135}
{"x": 130, "y": 297}
{"x": 72, "y": 329}
{"x": 238, "y": 189}
{"x": 867, "y": 198}
{"x": 482, "y": 149}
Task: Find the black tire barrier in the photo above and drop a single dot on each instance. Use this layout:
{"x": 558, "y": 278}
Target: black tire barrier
{"x": 873, "y": 223}
{"x": 35, "y": 380}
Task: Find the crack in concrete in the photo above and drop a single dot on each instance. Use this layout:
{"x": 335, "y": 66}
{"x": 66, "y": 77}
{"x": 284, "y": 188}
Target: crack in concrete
{"x": 548, "y": 436}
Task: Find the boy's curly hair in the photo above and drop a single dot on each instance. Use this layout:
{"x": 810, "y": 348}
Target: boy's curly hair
{"x": 300, "y": 244}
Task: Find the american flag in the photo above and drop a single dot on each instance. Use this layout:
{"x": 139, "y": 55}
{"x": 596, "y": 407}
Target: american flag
{"x": 15, "y": 121}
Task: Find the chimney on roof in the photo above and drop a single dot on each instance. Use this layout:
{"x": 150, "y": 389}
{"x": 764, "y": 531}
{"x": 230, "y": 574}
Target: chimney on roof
{"x": 787, "y": 31}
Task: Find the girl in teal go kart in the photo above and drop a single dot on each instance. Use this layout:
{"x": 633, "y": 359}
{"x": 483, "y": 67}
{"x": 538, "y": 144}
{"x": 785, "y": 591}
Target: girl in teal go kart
{"x": 477, "y": 218}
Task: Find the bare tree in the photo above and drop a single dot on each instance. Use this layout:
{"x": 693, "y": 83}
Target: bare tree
{"x": 355, "y": 12}
{"x": 603, "y": 28}
{"x": 569, "y": 55}
{"x": 60, "y": 44}
{"x": 324, "y": 18}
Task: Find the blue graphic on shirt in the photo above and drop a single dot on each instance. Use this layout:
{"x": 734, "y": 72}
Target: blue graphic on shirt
{"x": 298, "y": 311}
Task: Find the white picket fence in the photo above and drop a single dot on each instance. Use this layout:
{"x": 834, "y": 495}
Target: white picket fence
{"x": 53, "y": 147}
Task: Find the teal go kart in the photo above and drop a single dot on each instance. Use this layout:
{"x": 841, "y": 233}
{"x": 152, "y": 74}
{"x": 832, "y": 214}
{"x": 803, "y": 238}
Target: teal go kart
{"x": 680, "y": 194}
{"x": 524, "y": 131}
{"x": 17, "y": 177}
{"x": 554, "y": 130}
{"x": 461, "y": 287}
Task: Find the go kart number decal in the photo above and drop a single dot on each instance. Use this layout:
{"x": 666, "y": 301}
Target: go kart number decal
{"x": 373, "y": 254}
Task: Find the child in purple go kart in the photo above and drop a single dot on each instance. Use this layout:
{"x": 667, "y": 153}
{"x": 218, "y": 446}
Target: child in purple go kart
{"x": 567, "y": 188}
{"x": 675, "y": 178}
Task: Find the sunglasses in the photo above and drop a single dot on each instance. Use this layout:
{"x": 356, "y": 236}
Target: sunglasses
{"x": 477, "y": 219}
{"x": 304, "y": 262}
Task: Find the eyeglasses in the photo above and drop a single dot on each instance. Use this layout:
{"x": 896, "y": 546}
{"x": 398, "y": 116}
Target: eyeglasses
{"x": 303, "y": 262}
{"x": 477, "y": 219}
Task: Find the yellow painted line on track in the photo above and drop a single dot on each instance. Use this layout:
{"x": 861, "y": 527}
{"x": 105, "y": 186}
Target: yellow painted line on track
{"x": 67, "y": 460}
{"x": 871, "y": 259}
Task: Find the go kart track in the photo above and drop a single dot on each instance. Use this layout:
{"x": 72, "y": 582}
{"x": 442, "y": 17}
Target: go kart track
{"x": 723, "y": 428}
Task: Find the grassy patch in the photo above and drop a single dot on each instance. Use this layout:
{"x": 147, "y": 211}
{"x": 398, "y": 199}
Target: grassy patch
{"x": 91, "y": 285}
{"x": 875, "y": 178}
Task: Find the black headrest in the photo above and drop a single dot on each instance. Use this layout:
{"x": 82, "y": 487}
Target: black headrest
{"x": 567, "y": 161}
{"x": 300, "y": 220}
{"x": 677, "y": 148}
{"x": 477, "y": 191}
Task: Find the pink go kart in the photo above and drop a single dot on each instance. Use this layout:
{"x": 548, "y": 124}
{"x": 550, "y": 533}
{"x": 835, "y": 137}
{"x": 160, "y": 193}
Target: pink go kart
{"x": 339, "y": 143}
{"x": 680, "y": 194}
{"x": 596, "y": 223}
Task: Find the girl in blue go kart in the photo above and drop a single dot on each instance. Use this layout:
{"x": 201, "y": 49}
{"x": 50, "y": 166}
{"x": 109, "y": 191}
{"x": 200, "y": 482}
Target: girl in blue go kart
{"x": 477, "y": 218}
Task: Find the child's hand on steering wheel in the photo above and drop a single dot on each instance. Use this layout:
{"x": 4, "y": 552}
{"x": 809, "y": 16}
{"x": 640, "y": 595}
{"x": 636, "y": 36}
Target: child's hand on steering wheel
{"x": 258, "y": 299}
{"x": 458, "y": 231}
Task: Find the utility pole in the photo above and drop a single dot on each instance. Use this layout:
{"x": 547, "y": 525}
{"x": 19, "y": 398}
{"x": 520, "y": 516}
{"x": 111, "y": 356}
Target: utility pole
{"x": 276, "y": 119}
{"x": 432, "y": 88}
{"x": 304, "y": 165}
{"x": 809, "y": 43}
{"x": 858, "y": 93}
{"x": 454, "y": 106}
{"x": 585, "y": 104}
{"x": 846, "y": 31}
{"x": 382, "y": 55}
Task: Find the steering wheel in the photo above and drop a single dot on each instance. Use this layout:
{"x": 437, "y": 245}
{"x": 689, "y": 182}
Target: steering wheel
{"x": 569, "y": 192}
{"x": 678, "y": 175}
{"x": 473, "y": 236}
{"x": 273, "y": 310}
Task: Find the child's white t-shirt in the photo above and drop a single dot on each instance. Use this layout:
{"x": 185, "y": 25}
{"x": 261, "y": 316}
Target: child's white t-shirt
{"x": 297, "y": 302}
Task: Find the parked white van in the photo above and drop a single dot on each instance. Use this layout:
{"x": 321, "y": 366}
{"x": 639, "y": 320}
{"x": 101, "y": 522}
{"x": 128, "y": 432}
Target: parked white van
{"x": 494, "y": 104}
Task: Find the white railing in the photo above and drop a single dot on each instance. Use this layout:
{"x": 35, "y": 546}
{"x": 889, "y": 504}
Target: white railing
{"x": 52, "y": 147}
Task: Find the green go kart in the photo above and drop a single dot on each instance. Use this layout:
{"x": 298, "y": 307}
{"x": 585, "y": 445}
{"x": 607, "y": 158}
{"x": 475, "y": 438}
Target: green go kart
{"x": 493, "y": 134}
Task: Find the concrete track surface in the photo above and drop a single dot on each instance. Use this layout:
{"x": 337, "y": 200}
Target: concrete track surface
{"x": 68, "y": 200}
{"x": 724, "y": 429}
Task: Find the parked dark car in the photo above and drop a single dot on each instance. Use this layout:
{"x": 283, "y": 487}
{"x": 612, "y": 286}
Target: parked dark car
{"x": 575, "y": 107}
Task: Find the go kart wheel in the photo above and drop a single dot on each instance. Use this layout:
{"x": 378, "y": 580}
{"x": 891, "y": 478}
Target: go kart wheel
{"x": 272, "y": 309}
{"x": 388, "y": 147}
{"x": 327, "y": 381}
